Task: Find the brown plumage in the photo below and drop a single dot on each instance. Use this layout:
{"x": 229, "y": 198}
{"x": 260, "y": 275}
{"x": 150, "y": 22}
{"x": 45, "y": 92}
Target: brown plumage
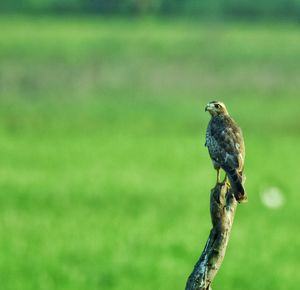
{"x": 225, "y": 143}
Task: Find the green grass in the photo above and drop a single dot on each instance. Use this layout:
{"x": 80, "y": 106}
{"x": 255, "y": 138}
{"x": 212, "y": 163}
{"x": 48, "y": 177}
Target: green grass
{"x": 104, "y": 178}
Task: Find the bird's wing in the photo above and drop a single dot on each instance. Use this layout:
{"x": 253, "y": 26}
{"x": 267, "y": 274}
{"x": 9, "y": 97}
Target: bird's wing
{"x": 228, "y": 139}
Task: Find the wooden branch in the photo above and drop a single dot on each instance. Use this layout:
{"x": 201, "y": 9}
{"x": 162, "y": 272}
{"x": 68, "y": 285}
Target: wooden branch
{"x": 222, "y": 210}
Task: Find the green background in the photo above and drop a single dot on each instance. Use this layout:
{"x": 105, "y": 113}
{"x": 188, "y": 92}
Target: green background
{"x": 104, "y": 177}
{"x": 287, "y": 10}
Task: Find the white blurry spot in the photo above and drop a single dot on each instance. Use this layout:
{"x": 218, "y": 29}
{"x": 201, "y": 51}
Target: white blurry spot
{"x": 272, "y": 197}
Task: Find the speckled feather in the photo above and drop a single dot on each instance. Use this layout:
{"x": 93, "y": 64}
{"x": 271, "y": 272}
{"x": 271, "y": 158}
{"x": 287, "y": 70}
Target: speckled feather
{"x": 225, "y": 143}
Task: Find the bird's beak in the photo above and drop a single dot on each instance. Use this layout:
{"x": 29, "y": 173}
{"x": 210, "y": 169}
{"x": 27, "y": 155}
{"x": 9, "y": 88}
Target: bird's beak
{"x": 207, "y": 108}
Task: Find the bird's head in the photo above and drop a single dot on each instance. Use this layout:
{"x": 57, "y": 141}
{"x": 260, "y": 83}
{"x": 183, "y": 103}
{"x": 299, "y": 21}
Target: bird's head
{"x": 216, "y": 108}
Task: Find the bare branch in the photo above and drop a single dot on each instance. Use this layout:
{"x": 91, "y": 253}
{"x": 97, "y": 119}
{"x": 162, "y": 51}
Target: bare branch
{"x": 222, "y": 210}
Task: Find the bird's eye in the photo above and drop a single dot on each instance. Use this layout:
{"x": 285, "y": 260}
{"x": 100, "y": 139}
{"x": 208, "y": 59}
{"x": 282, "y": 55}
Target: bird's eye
{"x": 217, "y": 106}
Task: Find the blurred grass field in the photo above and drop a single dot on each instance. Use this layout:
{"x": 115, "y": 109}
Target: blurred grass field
{"x": 104, "y": 178}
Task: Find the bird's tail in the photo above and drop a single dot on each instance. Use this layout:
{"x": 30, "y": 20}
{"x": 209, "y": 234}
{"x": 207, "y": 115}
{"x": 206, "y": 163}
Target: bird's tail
{"x": 236, "y": 182}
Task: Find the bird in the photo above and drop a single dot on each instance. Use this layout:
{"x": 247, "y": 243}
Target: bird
{"x": 225, "y": 143}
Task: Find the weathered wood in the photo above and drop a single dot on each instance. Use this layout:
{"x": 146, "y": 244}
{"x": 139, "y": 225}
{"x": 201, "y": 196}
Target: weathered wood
{"x": 222, "y": 210}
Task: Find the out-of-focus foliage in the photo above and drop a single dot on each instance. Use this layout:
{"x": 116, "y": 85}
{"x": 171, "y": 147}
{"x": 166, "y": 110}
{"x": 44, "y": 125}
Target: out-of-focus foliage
{"x": 104, "y": 177}
{"x": 270, "y": 9}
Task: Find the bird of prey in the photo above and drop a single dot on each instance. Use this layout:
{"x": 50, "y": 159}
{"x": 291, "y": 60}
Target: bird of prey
{"x": 225, "y": 143}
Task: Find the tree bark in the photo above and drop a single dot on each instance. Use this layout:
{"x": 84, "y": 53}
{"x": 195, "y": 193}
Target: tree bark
{"x": 222, "y": 210}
